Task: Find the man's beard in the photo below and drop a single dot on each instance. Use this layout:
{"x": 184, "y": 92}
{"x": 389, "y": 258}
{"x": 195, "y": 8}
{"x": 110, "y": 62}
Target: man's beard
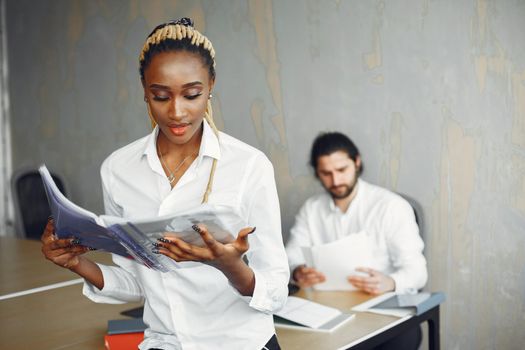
{"x": 342, "y": 195}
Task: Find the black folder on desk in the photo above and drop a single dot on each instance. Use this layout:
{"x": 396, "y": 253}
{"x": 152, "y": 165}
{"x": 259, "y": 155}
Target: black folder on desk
{"x": 135, "y": 312}
{"x": 418, "y": 303}
{"x": 132, "y": 325}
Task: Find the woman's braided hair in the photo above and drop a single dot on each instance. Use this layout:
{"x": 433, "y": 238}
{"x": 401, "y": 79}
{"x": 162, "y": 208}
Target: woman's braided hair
{"x": 180, "y": 35}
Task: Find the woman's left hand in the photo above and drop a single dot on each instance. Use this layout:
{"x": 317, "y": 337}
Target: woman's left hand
{"x": 212, "y": 253}
{"x": 225, "y": 257}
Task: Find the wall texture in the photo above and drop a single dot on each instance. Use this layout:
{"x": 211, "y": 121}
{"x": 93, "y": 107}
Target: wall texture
{"x": 433, "y": 92}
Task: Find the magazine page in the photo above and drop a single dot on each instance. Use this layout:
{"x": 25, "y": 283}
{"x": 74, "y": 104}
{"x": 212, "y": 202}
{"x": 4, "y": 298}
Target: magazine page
{"x": 52, "y": 190}
{"x": 139, "y": 235}
{"x": 140, "y": 247}
{"x": 74, "y": 221}
{"x": 135, "y": 238}
{"x": 221, "y": 221}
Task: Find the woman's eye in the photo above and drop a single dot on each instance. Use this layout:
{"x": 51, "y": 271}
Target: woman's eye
{"x": 160, "y": 98}
{"x": 193, "y": 96}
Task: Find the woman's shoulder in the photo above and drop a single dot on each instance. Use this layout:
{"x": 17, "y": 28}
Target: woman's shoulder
{"x": 233, "y": 148}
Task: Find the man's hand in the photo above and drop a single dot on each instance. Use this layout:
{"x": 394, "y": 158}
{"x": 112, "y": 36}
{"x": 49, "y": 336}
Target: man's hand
{"x": 375, "y": 283}
{"x": 307, "y": 276}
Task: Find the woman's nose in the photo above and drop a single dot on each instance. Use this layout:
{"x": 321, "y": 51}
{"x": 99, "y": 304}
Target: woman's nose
{"x": 176, "y": 109}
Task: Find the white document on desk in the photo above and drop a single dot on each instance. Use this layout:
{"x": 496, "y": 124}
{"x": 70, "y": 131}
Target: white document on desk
{"x": 307, "y": 315}
{"x": 337, "y": 260}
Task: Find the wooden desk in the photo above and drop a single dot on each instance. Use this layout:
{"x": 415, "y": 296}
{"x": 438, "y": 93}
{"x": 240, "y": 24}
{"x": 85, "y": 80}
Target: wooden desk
{"x": 365, "y": 331}
{"x": 23, "y": 266}
{"x": 61, "y": 318}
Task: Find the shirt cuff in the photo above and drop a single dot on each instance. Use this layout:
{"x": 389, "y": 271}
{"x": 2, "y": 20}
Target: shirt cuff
{"x": 401, "y": 287}
{"x": 113, "y": 292}
{"x": 264, "y": 297}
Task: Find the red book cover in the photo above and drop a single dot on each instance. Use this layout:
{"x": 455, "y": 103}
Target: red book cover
{"x": 126, "y": 341}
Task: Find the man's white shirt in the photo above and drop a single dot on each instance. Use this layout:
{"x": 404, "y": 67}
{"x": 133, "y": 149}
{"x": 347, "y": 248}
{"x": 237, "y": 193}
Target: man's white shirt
{"x": 385, "y": 218}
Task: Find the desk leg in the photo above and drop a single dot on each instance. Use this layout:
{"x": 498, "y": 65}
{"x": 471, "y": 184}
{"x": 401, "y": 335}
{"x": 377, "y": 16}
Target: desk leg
{"x": 433, "y": 330}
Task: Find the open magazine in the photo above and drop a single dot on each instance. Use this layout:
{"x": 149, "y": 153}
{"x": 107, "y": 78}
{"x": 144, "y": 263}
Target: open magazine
{"x": 135, "y": 238}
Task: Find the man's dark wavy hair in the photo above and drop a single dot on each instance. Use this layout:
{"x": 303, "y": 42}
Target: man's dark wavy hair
{"x": 329, "y": 142}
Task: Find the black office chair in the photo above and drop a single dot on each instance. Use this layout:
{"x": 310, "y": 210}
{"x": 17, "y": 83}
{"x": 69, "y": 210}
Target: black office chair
{"x": 30, "y": 201}
{"x": 418, "y": 212}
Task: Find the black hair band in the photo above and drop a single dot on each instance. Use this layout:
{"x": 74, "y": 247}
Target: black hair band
{"x": 184, "y": 21}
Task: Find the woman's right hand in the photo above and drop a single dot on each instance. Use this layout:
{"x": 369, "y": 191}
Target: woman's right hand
{"x": 63, "y": 252}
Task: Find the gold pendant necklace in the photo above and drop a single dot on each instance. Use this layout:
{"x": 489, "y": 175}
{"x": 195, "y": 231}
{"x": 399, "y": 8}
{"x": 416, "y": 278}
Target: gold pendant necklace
{"x": 171, "y": 176}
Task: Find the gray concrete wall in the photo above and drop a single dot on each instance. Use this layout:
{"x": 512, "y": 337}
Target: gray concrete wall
{"x": 433, "y": 92}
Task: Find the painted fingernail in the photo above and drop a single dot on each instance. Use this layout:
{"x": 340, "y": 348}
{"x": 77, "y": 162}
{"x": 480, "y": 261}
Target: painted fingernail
{"x": 91, "y": 248}
{"x": 75, "y": 241}
{"x": 253, "y": 230}
{"x": 155, "y": 251}
{"x": 157, "y": 244}
{"x": 196, "y": 228}
{"x": 50, "y": 218}
{"x": 163, "y": 240}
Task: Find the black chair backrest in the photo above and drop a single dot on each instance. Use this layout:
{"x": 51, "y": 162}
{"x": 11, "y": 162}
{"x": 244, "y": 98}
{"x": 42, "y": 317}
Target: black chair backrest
{"x": 418, "y": 212}
{"x": 31, "y": 206}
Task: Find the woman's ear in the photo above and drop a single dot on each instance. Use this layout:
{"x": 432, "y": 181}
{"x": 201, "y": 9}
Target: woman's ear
{"x": 212, "y": 84}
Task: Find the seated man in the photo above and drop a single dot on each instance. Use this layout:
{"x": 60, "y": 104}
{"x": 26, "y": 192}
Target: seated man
{"x": 350, "y": 206}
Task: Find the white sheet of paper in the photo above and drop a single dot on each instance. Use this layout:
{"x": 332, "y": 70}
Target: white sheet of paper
{"x": 307, "y": 312}
{"x": 337, "y": 260}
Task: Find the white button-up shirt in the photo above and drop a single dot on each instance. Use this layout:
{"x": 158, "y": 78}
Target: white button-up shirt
{"x": 196, "y": 307}
{"x": 384, "y": 218}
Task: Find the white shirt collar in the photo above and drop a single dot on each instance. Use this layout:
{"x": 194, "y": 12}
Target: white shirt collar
{"x": 209, "y": 147}
{"x": 210, "y": 143}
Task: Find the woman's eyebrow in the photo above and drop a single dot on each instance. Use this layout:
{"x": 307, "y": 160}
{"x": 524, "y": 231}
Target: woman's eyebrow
{"x": 164, "y": 87}
{"x": 193, "y": 83}
{"x": 159, "y": 86}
